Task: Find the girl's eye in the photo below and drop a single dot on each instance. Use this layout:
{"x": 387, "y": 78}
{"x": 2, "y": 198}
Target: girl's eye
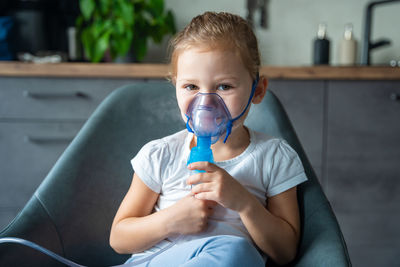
{"x": 190, "y": 87}
{"x": 224, "y": 87}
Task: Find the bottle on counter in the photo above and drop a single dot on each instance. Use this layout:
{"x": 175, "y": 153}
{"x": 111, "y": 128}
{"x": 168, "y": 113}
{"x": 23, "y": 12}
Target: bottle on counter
{"x": 321, "y": 46}
{"x": 347, "y": 47}
{"x": 72, "y": 44}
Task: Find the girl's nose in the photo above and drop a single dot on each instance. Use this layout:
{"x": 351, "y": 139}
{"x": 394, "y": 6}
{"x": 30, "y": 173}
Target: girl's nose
{"x": 211, "y": 100}
{"x": 207, "y": 90}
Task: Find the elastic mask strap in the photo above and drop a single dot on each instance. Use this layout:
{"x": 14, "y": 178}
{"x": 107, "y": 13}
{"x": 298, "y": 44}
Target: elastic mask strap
{"x": 230, "y": 123}
{"x": 187, "y": 124}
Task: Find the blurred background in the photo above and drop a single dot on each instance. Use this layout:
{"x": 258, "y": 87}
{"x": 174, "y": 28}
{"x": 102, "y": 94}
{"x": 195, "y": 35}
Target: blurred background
{"x": 292, "y": 25}
{"x": 285, "y": 28}
{"x": 347, "y": 118}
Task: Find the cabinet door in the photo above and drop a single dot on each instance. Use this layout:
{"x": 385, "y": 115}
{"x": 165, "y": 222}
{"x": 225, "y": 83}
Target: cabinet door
{"x": 363, "y": 170}
{"x": 303, "y": 101}
{"x": 28, "y": 151}
{"x": 53, "y": 98}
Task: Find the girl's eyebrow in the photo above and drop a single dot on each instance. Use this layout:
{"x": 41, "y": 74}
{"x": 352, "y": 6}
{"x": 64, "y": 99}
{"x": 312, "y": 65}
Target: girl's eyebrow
{"x": 187, "y": 80}
{"x": 216, "y": 79}
{"x": 227, "y": 78}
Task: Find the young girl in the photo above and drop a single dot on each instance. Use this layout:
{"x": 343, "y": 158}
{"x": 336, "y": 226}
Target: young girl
{"x": 236, "y": 212}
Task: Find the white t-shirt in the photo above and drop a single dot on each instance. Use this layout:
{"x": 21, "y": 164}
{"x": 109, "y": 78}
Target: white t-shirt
{"x": 267, "y": 167}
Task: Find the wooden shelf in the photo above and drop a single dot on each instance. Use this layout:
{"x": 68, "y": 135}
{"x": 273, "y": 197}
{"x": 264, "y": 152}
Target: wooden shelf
{"x": 332, "y": 73}
{"x": 89, "y": 70}
{"x": 160, "y": 71}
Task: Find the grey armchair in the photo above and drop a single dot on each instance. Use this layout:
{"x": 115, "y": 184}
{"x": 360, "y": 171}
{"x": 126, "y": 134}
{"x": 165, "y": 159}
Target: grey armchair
{"x": 72, "y": 210}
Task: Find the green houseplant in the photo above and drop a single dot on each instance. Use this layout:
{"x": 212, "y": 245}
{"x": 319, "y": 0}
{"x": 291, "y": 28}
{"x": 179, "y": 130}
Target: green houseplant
{"x": 117, "y": 26}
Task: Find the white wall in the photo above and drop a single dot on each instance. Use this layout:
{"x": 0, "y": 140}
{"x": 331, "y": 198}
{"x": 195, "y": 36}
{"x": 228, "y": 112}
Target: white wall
{"x": 293, "y": 25}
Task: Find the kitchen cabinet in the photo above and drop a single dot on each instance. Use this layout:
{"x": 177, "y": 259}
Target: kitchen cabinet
{"x": 39, "y": 117}
{"x": 363, "y": 171}
{"x": 350, "y": 131}
{"x": 52, "y": 99}
{"x": 29, "y": 149}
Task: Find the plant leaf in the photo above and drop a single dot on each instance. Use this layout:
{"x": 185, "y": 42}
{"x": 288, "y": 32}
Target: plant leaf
{"x": 101, "y": 46}
{"x": 139, "y": 48}
{"x": 120, "y": 45}
{"x": 105, "y": 7}
{"x": 87, "y": 40}
{"x": 79, "y": 22}
{"x": 170, "y": 22}
{"x": 156, "y": 7}
{"x": 127, "y": 12}
{"x": 87, "y": 8}
{"x": 119, "y": 26}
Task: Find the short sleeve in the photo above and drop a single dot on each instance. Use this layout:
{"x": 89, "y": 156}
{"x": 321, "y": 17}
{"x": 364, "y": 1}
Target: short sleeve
{"x": 149, "y": 162}
{"x": 286, "y": 170}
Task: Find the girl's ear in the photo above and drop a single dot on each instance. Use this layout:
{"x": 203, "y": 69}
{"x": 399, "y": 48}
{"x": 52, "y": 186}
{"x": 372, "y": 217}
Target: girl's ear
{"x": 261, "y": 89}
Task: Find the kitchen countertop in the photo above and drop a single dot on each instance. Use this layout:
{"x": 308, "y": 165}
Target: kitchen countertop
{"x": 160, "y": 71}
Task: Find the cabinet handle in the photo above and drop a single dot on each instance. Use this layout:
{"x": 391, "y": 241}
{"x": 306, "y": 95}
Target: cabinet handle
{"x": 395, "y": 96}
{"x": 48, "y": 140}
{"x": 55, "y": 95}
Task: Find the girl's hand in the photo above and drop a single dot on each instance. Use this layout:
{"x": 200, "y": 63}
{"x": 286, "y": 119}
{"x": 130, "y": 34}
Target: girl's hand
{"x": 217, "y": 185}
{"x": 190, "y": 215}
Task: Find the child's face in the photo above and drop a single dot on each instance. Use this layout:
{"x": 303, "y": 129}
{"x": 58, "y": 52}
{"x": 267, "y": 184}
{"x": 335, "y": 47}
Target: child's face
{"x": 213, "y": 71}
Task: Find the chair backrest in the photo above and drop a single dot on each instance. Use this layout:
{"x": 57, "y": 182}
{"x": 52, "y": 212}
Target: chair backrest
{"x": 322, "y": 242}
{"x": 72, "y": 210}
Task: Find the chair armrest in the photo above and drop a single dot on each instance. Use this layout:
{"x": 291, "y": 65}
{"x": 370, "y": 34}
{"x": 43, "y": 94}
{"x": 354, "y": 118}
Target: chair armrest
{"x": 322, "y": 242}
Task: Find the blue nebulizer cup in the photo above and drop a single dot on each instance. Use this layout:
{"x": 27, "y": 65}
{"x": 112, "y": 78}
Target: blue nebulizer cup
{"x": 201, "y": 152}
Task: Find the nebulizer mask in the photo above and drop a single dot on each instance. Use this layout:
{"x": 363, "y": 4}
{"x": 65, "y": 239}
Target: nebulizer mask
{"x": 209, "y": 118}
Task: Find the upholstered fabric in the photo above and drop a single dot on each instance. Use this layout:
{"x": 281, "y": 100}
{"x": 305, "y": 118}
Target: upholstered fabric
{"x": 72, "y": 210}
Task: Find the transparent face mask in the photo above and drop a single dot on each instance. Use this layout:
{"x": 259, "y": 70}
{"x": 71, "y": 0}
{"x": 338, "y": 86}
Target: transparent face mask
{"x": 208, "y": 116}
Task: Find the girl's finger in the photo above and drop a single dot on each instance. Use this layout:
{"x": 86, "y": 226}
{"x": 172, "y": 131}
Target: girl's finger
{"x": 203, "y": 166}
{"x": 198, "y": 178}
{"x": 202, "y": 187}
{"x": 205, "y": 196}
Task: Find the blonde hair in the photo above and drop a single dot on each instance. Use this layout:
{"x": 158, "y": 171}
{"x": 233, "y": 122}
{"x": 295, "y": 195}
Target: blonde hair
{"x": 218, "y": 31}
